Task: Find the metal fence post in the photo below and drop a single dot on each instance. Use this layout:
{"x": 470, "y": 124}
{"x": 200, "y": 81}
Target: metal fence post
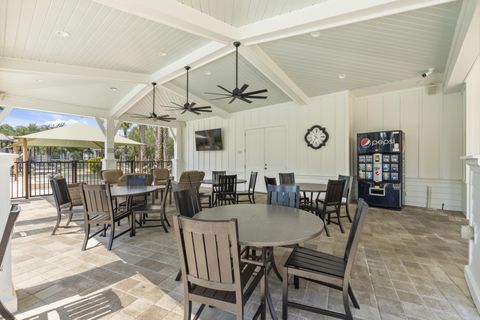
{"x": 74, "y": 171}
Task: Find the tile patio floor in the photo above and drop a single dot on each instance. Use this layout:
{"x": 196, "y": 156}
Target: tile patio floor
{"x": 409, "y": 266}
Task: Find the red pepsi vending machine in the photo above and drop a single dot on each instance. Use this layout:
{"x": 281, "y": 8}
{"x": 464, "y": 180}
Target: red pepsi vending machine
{"x": 381, "y": 171}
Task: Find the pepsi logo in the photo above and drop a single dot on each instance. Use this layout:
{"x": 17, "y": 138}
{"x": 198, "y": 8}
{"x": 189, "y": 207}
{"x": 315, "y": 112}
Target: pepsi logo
{"x": 365, "y": 143}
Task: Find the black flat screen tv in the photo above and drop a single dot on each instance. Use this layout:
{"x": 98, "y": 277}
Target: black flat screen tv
{"x": 208, "y": 140}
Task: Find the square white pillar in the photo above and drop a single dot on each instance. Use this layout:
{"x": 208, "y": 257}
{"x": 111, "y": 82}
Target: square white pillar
{"x": 109, "y": 161}
{"x": 178, "y": 163}
{"x": 7, "y": 292}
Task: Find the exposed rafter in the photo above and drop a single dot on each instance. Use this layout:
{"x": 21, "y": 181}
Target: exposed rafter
{"x": 22, "y": 102}
{"x": 258, "y": 58}
{"x": 174, "y": 14}
{"x": 70, "y": 71}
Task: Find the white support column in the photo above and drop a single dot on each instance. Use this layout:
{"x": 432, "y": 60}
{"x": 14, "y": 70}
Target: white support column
{"x": 7, "y": 292}
{"x": 109, "y": 161}
{"x": 178, "y": 163}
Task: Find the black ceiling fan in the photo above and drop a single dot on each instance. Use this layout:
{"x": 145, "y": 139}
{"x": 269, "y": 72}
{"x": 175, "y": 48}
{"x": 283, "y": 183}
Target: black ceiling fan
{"x": 189, "y": 106}
{"x": 238, "y": 93}
{"x": 152, "y": 115}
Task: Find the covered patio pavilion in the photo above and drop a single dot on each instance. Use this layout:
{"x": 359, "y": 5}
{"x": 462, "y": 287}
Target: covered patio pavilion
{"x": 376, "y": 100}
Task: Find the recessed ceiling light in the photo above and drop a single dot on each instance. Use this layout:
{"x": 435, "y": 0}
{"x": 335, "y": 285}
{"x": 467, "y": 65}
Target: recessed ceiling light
{"x": 114, "y": 88}
{"x": 62, "y": 34}
{"x": 342, "y": 76}
{"x": 163, "y": 54}
{"x": 315, "y": 34}
{"x": 208, "y": 73}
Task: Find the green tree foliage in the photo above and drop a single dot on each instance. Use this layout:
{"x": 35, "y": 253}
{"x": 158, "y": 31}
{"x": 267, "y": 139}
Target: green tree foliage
{"x": 95, "y": 164}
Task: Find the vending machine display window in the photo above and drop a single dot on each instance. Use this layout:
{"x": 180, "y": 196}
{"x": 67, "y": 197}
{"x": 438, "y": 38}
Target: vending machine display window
{"x": 381, "y": 173}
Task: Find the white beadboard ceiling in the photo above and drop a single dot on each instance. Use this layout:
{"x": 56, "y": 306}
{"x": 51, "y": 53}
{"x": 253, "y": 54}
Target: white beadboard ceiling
{"x": 223, "y": 73}
{"x": 100, "y": 37}
{"x": 80, "y": 92}
{"x": 369, "y": 53}
{"x": 242, "y": 12}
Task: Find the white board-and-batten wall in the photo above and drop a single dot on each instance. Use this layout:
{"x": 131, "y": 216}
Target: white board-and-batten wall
{"x": 330, "y": 111}
{"x": 434, "y": 126}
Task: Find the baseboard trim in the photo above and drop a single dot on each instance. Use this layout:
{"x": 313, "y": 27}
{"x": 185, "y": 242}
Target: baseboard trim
{"x": 473, "y": 286}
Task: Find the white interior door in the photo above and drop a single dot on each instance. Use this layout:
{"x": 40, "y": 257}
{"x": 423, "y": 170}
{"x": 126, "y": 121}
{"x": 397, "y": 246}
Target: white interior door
{"x": 254, "y": 155}
{"x": 265, "y": 153}
{"x": 275, "y": 151}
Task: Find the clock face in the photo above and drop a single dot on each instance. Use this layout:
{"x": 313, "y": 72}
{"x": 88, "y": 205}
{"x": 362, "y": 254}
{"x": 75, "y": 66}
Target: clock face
{"x": 316, "y": 137}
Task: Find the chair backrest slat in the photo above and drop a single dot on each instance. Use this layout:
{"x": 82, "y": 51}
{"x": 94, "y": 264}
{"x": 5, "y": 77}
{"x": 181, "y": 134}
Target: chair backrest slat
{"x": 348, "y": 185}
{"x": 97, "y": 199}
{"x": 287, "y": 178}
{"x": 284, "y": 195}
{"x": 186, "y": 200}
{"x": 209, "y": 252}
{"x": 354, "y": 236}
{"x": 253, "y": 181}
{"x": 61, "y": 195}
{"x": 8, "y": 230}
{"x": 227, "y": 183}
{"x": 334, "y": 193}
{"x": 270, "y": 181}
{"x": 217, "y": 174}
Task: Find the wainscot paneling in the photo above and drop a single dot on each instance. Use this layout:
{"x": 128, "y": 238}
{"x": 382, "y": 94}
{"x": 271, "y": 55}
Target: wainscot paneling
{"x": 434, "y": 133}
{"x": 330, "y": 111}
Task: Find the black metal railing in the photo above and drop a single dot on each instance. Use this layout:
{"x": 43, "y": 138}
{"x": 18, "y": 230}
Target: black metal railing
{"x": 31, "y": 178}
{"x": 142, "y": 166}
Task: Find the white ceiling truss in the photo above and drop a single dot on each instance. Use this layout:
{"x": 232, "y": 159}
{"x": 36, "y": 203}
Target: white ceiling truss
{"x": 205, "y": 34}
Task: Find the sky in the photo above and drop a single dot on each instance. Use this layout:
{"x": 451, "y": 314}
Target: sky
{"x": 20, "y": 117}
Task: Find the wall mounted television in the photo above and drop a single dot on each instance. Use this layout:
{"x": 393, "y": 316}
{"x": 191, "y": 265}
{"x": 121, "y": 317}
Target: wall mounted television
{"x": 208, "y": 140}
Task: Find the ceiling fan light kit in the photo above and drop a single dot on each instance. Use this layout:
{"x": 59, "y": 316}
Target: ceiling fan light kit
{"x": 238, "y": 93}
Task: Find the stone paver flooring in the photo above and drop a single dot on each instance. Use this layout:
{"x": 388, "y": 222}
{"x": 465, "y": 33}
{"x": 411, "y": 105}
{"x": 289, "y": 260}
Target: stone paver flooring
{"x": 409, "y": 266}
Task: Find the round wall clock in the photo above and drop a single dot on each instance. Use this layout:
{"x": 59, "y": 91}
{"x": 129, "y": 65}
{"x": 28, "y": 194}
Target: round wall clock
{"x": 316, "y": 137}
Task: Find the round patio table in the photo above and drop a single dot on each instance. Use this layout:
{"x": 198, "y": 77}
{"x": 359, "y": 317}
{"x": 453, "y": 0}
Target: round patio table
{"x": 265, "y": 227}
{"x": 210, "y": 181}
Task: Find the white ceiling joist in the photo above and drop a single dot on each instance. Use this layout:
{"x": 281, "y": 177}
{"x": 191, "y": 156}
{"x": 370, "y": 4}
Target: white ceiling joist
{"x": 52, "y": 106}
{"x": 202, "y": 56}
{"x": 174, "y": 14}
{"x": 326, "y": 15}
{"x": 181, "y": 92}
{"x": 71, "y": 71}
{"x": 258, "y": 58}
{"x": 465, "y": 45}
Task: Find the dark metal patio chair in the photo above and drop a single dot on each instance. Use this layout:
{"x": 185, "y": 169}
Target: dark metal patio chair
{"x": 144, "y": 211}
{"x": 332, "y": 203}
{"x": 287, "y": 178}
{"x": 226, "y": 190}
{"x": 7, "y": 234}
{"x": 64, "y": 203}
{"x": 99, "y": 210}
{"x": 326, "y": 269}
{"x": 250, "y": 193}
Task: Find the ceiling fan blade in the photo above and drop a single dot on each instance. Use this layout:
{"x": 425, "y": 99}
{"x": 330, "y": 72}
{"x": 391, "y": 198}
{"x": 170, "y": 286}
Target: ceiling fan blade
{"x": 221, "y": 98}
{"x": 218, "y": 94}
{"x": 184, "y": 110}
{"x": 201, "y": 108}
{"x": 245, "y": 99}
{"x": 233, "y": 99}
{"x": 177, "y": 104}
{"x": 255, "y": 92}
{"x": 256, "y": 97}
{"x": 194, "y": 111}
{"x": 224, "y": 89}
{"x": 243, "y": 88}
{"x": 192, "y": 104}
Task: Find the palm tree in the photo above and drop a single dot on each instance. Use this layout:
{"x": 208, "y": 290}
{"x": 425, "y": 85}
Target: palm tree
{"x": 125, "y": 126}
{"x": 143, "y": 140}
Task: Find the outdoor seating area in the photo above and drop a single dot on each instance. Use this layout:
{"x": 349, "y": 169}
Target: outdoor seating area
{"x": 239, "y": 159}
